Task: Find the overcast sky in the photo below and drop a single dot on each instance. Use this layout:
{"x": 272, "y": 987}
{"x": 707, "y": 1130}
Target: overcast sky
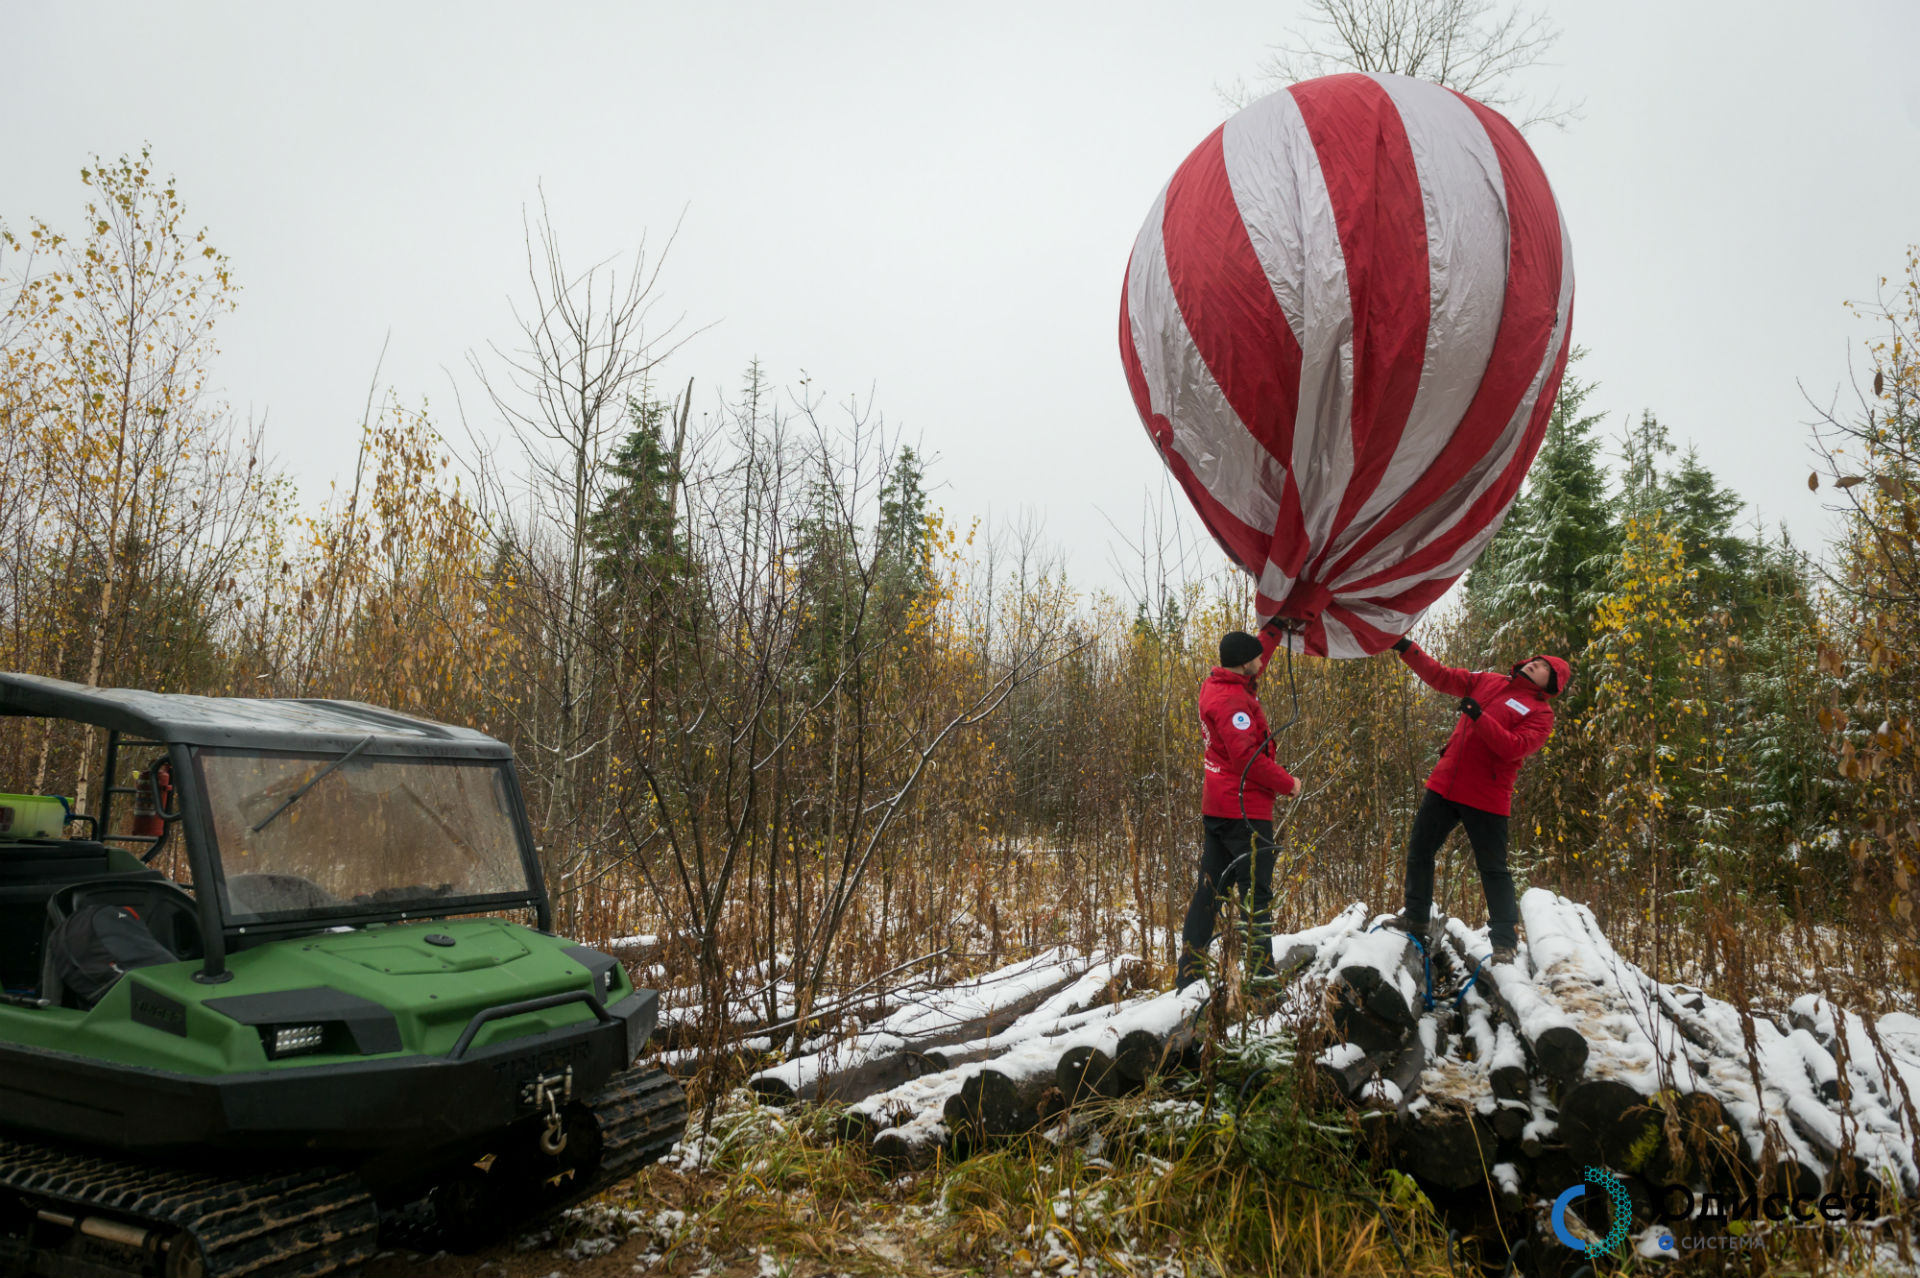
{"x": 937, "y": 202}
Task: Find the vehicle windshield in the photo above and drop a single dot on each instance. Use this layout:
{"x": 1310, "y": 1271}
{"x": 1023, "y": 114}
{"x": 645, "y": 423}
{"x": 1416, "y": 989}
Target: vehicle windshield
{"x": 304, "y": 834}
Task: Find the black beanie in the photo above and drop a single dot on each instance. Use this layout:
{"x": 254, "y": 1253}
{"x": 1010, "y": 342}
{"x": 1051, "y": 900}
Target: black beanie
{"x": 1237, "y": 648}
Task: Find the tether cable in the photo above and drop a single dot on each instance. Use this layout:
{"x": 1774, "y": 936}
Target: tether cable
{"x": 1273, "y": 734}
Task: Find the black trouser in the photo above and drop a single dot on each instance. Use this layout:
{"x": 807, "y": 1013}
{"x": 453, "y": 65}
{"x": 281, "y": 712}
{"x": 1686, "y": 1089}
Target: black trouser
{"x": 1225, "y": 863}
{"x": 1487, "y": 832}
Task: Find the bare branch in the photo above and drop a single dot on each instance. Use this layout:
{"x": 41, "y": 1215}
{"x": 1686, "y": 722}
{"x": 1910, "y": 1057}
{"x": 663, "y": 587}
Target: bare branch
{"x": 1472, "y": 46}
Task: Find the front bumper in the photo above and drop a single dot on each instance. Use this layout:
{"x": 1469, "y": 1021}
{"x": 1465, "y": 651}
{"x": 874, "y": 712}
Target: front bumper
{"x": 403, "y": 1102}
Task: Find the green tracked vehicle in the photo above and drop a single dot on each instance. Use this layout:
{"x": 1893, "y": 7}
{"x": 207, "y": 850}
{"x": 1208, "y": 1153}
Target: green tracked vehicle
{"x": 322, "y": 1027}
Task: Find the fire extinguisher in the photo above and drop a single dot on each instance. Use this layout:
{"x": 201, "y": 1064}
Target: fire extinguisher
{"x": 152, "y": 799}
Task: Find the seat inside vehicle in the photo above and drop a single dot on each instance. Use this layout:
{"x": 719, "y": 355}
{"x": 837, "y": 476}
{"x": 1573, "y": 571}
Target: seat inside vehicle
{"x": 98, "y": 931}
{"x": 31, "y": 871}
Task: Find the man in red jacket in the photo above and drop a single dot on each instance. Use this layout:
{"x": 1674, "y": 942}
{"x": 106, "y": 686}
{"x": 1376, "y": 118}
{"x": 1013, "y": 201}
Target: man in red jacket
{"x": 1236, "y": 804}
{"x": 1503, "y": 719}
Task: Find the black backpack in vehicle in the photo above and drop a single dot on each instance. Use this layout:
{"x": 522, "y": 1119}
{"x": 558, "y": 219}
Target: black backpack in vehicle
{"x": 96, "y": 946}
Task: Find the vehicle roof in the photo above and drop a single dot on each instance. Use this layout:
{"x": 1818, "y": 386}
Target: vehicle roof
{"x": 248, "y": 722}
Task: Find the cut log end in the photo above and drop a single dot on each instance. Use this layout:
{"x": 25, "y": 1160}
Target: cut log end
{"x": 1450, "y": 1148}
{"x": 1605, "y": 1122}
{"x": 1086, "y": 1073}
{"x": 899, "y": 1153}
{"x": 771, "y": 1091}
{"x": 1138, "y": 1057}
{"x": 991, "y": 1104}
{"x": 1561, "y": 1051}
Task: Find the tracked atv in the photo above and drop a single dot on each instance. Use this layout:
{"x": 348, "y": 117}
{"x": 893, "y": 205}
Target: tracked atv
{"x": 331, "y": 1028}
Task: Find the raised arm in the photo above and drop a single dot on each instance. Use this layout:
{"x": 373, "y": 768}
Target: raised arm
{"x": 1454, "y": 683}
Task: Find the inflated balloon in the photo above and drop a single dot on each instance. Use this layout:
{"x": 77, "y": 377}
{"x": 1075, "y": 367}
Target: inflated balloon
{"x": 1344, "y": 325}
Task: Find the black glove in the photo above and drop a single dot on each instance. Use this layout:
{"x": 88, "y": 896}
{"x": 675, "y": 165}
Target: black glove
{"x": 1402, "y": 644}
{"x": 1469, "y": 707}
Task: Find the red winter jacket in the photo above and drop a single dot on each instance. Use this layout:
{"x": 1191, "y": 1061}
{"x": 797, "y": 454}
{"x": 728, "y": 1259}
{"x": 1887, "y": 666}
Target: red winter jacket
{"x": 1233, "y": 727}
{"x": 1482, "y": 757}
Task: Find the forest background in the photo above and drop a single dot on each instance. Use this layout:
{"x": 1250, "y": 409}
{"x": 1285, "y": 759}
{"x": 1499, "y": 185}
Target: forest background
{"x": 771, "y": 706}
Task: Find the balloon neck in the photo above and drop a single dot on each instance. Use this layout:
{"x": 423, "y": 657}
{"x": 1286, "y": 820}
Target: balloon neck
{"x": 1304, "y": 603}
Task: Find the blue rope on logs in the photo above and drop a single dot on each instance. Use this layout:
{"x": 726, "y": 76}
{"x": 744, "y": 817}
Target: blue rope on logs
{"x": 1426, "y": 963}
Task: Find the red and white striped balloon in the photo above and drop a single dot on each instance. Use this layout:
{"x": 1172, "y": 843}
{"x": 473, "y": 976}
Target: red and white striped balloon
{"x": 1344, "y": 325}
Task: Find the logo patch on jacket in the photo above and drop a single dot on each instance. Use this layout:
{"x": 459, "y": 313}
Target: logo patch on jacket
{"x": 1517, "y": 706}
{"x": 1242, "y": 720}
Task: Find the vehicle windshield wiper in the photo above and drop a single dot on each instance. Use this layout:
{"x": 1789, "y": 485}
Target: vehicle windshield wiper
{"x": 318, "y": 777}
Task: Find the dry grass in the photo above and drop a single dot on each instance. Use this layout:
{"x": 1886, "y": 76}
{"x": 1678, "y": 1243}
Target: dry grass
{"x": 1200, "y": 1176}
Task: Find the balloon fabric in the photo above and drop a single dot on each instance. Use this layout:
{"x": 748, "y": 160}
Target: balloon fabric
{"x": 1344, "y": 324}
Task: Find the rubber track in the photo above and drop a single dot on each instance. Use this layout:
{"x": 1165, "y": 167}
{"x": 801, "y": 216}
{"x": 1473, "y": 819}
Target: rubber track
{"x": 640, "y": 1112}
{"x": 303, "y": 1223}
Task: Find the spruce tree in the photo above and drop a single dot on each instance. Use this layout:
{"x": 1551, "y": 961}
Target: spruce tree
{"x": 633, "y": 533}
{"x": 1734, "y": 573}
{"x": 640, "y": 561}
{"x": 1535, "y": 586}
{"x": 904, "y": 574}
{"x": 830, "y": 595}
{"x": 1737, "y": 574}
{"x": 1779, "y": 768}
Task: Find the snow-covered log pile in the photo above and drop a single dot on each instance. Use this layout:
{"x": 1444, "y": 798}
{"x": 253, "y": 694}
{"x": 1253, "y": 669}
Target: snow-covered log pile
{"x": 1515, "y": 1076}
{"x": 1521, "y": 1074}
{"x": 992, "y": 1057}
{"x": 929, "y": 1031}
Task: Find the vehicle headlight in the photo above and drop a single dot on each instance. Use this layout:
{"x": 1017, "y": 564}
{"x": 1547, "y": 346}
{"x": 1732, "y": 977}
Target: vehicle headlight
{"x": 292, "y": 1040}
